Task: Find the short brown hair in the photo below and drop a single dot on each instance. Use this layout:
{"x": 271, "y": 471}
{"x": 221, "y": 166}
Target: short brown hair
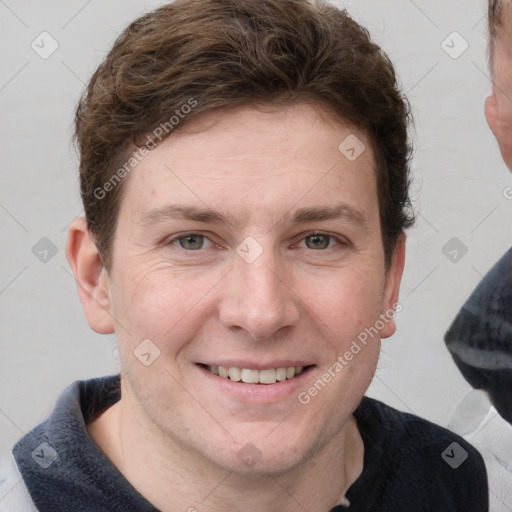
{"x": 228, "y": 53}
{"x": 496, "y": 11}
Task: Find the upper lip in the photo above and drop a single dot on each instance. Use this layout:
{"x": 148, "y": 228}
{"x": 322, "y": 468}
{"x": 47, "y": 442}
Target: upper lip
{"x": 253, "y": 365}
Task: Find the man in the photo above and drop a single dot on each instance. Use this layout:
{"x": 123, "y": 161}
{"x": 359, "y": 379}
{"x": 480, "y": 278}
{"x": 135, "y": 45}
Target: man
{"x": 480, "y": 337}
{"x": 498, "y": 106}
{"x": 244, "y": 173}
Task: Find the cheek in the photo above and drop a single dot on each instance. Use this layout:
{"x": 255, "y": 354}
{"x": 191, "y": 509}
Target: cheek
{"x": 347, "y": 303}
{"x": 161, "y": 304}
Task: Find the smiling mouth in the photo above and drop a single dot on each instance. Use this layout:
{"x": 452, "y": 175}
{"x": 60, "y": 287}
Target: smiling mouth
{"x": 254, "y": 376}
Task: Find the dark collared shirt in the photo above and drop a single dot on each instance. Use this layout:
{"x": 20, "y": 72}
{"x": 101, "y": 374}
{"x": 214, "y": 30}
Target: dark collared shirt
{"x": 410, "y": 464}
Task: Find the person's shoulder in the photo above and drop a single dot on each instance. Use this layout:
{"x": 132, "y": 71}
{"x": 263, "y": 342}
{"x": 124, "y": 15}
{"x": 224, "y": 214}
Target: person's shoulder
{"x": 480, "y": 337}
{"x": 58, "y": 458}
{"x": 423, "y": 437}
{"x": 78, "y": 403}
{"x": 430, "y": 457}
{"x": 505, "y": 262}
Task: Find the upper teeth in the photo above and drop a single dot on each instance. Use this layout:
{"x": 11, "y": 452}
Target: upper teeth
{"x": 268, "y": 376}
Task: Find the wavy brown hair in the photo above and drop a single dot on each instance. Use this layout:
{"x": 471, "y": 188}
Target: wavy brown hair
{"x": 228, "y": 53}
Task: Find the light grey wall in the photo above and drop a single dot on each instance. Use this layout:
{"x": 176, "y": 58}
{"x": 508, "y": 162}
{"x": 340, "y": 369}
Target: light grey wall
{"x": 458, "y": 189}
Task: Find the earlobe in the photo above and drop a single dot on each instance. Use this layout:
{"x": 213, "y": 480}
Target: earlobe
{"x": 392, "y": 288}
{"x": 491, "y": 113}
{"x": 91, "y": 277}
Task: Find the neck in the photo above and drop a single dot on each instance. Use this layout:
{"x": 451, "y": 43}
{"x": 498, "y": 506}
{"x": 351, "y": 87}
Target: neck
{"x": 173, "y": 478}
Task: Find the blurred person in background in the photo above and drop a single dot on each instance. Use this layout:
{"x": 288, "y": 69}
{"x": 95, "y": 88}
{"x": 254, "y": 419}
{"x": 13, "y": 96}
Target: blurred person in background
{"x": 480, "y": 337}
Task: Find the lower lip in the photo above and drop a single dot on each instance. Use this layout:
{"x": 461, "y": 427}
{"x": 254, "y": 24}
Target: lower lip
{"x": 264, "y": 393}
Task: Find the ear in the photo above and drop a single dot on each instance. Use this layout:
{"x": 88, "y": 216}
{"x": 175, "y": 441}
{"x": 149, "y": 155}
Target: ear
{"x": 392, "y": 288}
{"x": 491, "y": 113}
{"x": 91, "y": 277}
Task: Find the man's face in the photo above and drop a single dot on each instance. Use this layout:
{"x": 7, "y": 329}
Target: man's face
{"x": 498, "y": 107}
{"x": 289, "y": 277}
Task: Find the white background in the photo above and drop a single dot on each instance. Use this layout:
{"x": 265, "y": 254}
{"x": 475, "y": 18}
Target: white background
{"x": 459, "y": 180}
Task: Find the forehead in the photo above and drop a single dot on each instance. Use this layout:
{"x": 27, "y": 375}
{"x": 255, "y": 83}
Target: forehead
{"x": 254, "y": 161}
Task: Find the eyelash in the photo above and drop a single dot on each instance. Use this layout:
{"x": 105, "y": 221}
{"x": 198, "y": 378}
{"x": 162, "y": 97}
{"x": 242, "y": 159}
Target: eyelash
{"x": 340, "y": 241}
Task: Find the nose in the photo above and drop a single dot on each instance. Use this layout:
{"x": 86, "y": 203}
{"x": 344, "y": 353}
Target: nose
{"x": 259, "y": 299}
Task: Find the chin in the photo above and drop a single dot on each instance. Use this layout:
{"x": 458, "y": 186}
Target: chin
{"x": 249, "y": 460}
{"x": 279, "y": 452}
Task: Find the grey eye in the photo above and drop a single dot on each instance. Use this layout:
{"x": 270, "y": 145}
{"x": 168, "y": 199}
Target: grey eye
{"x": 318, "y": 241}
{"x": 191, "y": 242}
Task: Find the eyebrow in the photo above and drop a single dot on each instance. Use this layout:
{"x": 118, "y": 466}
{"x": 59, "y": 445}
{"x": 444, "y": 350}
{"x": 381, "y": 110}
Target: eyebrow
{"x": 184, "y": 212}
{"x": 341, "y": 211}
